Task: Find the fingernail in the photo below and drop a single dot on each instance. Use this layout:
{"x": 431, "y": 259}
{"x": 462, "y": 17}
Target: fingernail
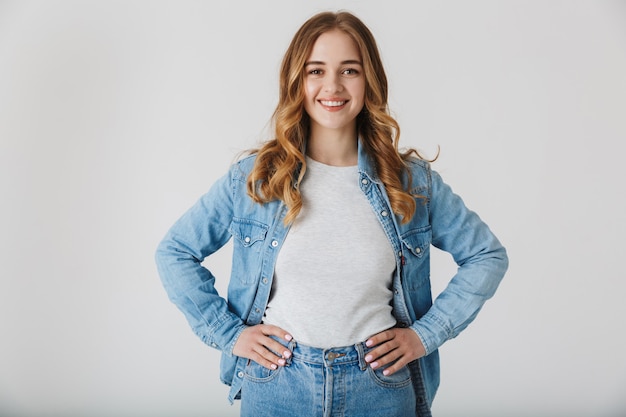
{"x": 288, "y": 337}
{"x": 374, "y": 365}
{"x": 273, "y": 366}
{"x": 386, "y": 372}
{"x": 368, "y": 358}
{"x": 286, "y": 354}
{"x": 369, "y": 343}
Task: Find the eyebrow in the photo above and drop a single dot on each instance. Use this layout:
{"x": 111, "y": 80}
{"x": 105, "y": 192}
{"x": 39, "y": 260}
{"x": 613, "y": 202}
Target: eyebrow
{"x": 347, "y": 62}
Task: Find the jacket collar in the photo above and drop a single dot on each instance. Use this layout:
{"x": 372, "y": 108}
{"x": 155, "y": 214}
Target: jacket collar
{"x": 366, "y": 164}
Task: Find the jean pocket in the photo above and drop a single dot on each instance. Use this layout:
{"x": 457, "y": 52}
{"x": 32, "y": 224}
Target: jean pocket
{"x": 399, "y": 379}
{"x": 257, "y": 373}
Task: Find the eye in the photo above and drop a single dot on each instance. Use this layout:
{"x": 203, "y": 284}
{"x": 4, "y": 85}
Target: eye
{"x": 315, "y": 71}
{"x": 350, "y": 71}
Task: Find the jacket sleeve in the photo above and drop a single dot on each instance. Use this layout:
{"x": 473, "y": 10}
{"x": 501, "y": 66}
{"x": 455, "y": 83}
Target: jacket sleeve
{"x": 201, "y": 231}
{"x": 481, "y": 259}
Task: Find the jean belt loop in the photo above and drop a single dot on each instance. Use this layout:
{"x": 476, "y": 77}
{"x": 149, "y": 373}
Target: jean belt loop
{"x": 360, "y": 349}
{"x": 291, "y": 346}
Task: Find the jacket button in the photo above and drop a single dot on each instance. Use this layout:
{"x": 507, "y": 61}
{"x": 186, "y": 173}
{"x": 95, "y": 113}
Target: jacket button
{"x": 264, "y": 280}
{"x": 240, "y": 374}
{"x": 274, "y": 243}
{"x": 364, "y": 181}
{"x": 418, "y": 250}
{"x": 247, "y": 239}
{"x": 384, "y": 213}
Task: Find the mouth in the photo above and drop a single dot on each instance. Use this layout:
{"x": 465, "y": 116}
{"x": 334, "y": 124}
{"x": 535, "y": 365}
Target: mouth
{"x": 332, "y": 103}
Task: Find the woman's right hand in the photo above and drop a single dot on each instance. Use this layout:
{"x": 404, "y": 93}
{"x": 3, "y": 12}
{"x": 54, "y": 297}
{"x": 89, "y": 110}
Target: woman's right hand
{"x": 256, "y": 344}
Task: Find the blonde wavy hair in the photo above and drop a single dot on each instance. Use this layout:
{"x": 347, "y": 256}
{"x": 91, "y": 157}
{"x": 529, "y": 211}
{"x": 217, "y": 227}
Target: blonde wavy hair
{"x": 280, "y": 163}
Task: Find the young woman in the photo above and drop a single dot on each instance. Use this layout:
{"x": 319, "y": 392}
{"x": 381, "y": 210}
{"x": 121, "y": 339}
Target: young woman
{"x": 329, "y": 309}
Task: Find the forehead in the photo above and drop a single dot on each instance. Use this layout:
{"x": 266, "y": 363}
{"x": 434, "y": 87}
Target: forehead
{"x": 334, "y": 45}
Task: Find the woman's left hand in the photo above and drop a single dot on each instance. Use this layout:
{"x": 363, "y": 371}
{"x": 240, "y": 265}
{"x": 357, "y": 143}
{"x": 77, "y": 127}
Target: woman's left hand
{"x": 396, "y": 346}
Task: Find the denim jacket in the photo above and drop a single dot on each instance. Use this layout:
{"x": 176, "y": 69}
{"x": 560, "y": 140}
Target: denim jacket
{"x": 441, "y": 219}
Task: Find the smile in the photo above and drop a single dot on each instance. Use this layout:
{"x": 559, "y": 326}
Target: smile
{"x": 332, "y": 103}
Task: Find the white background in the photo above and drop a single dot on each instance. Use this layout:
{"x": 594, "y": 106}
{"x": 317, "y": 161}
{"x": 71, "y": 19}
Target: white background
{"x": 116, "y": 116}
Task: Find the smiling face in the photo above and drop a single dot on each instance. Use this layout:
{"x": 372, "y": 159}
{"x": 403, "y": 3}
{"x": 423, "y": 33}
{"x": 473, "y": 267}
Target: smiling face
{"x": 334, "y": 85}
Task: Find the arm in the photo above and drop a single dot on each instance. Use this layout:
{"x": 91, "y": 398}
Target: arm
{"x": 201, "y": 231}
{"x": 482, "y": 262}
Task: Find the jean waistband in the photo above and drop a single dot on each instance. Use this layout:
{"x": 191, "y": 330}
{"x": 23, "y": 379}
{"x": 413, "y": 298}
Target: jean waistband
{"x": 334, "y": 356}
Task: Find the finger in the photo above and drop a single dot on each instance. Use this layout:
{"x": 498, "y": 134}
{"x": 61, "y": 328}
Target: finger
{"x": 277, "y": 348}
{"x": 395, "y": 367}
{"x": 269, "y": 356}
{"x": 271, "y": 350}
{"x": 381, "y": 350}
{"x": 376, "y": 354}
{"x": 271, "y": 330}
{"x": 379, "y": 338}
{"x": 263, "y": 361}
{"x": 385, "y": 359}
{"x": 272, "y": 344}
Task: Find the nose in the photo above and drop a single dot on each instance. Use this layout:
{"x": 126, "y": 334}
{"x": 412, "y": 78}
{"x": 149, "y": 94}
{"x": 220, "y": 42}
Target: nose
{"x": 332, "y": 83}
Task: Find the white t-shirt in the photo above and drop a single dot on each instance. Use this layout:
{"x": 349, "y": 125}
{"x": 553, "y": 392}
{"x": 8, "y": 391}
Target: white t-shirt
{"x": 333, "y": 274}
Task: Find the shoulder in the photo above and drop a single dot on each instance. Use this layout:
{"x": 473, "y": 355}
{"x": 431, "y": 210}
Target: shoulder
{"x": 417, "y": 164}
{"x": 421, "y": 173}
{"x": 242, "y": 168}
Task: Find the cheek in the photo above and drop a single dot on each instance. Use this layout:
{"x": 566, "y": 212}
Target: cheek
{"x": 309, "y": 97}
{"x": 360, "y": 88}
{"x": 310, "y": 90}
{"x": 357, "y": 92}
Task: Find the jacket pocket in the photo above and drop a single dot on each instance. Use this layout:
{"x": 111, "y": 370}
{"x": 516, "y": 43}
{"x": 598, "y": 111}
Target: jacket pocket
{"x": 416, "y": 250}
{"x": 247, "y": 231}
{"x": 248, "y": 236}
{"x": 417, "y": 241}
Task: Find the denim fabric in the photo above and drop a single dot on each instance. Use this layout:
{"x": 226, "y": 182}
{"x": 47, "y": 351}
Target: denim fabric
{"x": 334, "y": 382}
{"x": 441, "y": 219}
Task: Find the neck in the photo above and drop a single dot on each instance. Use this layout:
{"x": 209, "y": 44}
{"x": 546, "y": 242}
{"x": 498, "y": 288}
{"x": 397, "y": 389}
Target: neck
{"x": 332, "y": 147}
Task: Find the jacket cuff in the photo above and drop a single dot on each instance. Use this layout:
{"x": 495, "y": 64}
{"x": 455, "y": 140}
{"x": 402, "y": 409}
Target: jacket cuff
{"x": 223, "y": 334}
{"x": 431, "y": 333}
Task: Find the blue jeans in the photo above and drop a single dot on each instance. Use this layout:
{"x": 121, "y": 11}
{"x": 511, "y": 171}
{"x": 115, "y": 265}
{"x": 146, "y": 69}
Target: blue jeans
{"x": 326, "y": 383}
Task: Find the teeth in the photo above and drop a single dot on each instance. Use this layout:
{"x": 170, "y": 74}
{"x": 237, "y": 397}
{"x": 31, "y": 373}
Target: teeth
{"x": 333, "y": 103}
